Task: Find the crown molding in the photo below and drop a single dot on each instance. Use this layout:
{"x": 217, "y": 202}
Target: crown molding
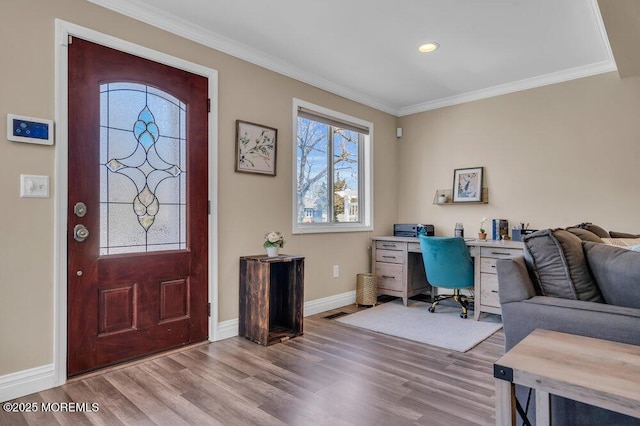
{"x": 605, "y": 66}
{"x": 160, "y": 19}
{"x": 595, "y": 9}
{"x": 516, "y": 86}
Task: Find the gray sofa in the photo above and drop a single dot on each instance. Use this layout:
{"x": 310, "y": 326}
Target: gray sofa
{"x": 565, "y": 284}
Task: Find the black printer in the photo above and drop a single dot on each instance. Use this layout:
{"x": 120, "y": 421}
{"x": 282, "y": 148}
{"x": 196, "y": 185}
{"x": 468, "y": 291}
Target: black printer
{"x": 412, "y": 230}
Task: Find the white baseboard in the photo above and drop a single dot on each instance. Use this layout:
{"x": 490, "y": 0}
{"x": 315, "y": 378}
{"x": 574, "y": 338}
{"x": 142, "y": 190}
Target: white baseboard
{"x": 37, "y": 379}
{"x": 229, "y": 328}
{"x": 327, "y": 303}
{"x": 26, "y": 382}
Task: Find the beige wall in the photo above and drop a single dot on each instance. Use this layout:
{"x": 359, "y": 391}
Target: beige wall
{"x": 249, "y": 205}
{"x": 553, "y": 156}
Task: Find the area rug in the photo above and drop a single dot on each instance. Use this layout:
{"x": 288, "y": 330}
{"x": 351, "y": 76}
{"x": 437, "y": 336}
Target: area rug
{"x": 444, "y": 328}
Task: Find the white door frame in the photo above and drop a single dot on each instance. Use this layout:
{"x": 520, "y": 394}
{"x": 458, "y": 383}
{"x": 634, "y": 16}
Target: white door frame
{"x": 63, "y": 31}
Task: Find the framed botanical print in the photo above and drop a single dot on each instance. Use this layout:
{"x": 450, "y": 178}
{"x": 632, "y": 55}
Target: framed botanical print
{"x": 467, "y": 185}
{"x": 255, "y": 148}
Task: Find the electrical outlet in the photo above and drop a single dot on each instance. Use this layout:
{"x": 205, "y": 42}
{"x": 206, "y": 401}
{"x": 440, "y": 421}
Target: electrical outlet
{"x": 336, "y": 271}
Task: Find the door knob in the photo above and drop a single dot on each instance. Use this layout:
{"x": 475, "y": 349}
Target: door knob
{"x": 80, "y": 233}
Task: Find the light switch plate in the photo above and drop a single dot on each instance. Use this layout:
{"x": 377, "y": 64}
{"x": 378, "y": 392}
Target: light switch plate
{"x": 34, "y": 186}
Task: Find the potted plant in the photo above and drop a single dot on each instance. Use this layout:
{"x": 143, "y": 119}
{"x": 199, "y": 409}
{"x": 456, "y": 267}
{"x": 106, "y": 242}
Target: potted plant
{"x": 482, "y": 235}
{"x": 442, "y": 198}
{"x": 272, "y": 242}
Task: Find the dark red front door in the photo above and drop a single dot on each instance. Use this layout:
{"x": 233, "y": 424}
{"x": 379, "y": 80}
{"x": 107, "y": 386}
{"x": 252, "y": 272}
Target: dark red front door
{"x": 137, "y": 223}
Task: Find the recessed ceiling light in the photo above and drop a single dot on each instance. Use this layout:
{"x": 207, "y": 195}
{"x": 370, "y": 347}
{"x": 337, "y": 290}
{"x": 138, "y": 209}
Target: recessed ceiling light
{"x": 428, "y": 47}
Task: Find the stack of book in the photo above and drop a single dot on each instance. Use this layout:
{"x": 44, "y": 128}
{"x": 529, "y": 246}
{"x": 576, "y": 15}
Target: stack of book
{"x": 499, "y": 227}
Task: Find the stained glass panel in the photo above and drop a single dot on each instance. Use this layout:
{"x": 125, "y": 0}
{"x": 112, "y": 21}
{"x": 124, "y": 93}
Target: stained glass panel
{"x": 142, "y": 169}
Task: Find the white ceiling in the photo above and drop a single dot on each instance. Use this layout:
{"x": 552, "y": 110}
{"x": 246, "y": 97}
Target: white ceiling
{"x": 366, "y": 50}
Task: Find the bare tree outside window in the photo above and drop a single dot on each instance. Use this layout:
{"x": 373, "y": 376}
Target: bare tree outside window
{"x": 327, "y": 157}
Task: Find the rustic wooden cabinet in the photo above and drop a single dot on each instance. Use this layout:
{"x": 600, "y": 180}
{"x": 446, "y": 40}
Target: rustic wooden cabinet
{"x": 271, "y": 298}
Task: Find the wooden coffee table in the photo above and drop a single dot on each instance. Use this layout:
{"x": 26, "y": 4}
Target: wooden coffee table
{"x": 597, "y": 372}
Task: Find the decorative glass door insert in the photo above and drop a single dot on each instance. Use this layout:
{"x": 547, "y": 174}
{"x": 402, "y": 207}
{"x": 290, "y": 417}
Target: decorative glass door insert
{"x": 142, "y": 169}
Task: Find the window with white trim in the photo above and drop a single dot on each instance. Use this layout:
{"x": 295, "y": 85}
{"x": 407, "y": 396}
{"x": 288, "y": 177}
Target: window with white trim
{"x": 332, "y": 178}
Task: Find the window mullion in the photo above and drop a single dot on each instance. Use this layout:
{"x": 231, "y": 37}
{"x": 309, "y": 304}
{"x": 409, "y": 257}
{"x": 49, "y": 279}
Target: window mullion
{"x": 330, "y": 183}
{"x": 361, "y": 192}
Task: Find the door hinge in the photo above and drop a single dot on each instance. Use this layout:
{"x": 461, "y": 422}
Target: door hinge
{"x": 208, "y": 105}
{"x": 209, "y": 309}
{"x": 208, "y": 206}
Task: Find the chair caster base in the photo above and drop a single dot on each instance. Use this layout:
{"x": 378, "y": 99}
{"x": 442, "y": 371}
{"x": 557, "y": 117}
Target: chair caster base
{"x": 462, "y": 300}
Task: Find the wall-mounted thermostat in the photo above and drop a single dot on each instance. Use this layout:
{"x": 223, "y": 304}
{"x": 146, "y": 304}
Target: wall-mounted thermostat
{"x": 29, "y": 129}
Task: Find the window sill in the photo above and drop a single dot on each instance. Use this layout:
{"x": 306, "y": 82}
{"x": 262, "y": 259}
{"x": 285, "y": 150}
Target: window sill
{"x": 330, "y": 228}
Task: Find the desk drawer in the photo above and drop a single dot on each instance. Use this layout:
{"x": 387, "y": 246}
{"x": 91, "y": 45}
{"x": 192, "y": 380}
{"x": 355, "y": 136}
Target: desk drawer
{"x": 414, "y": 248}
{"x": 489, "y": 290}
{"x": 389, "y": 245}
{"x": 389, "y": 256}
{"x": 389, "y": 276}
{"x": 488, "y": 265}
{"x": 499, "y": 253}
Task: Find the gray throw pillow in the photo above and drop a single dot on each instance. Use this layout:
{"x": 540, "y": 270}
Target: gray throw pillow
{"x": 617, "y": 272}
{"x": 559, "y": 267}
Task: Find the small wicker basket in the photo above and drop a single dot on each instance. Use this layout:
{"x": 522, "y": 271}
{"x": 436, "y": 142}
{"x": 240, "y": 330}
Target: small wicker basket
{"x": 366, "y": 290}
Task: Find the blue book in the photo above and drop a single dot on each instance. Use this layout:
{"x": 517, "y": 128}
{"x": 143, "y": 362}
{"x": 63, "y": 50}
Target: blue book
{"x": 499, "y": 227}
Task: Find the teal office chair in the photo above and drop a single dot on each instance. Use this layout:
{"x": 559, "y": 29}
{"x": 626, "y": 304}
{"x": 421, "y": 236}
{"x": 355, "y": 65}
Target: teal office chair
{"x": 448, "y": 264}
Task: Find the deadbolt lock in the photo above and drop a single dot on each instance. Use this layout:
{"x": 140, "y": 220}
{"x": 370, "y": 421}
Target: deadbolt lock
{"x": 80, "y": 209}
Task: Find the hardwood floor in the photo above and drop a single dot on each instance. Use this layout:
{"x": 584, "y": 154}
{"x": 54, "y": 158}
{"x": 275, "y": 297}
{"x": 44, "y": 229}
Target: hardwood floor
{"x": 334, "y": 374}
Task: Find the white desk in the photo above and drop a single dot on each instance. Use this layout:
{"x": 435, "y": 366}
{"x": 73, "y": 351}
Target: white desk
{"x": 397, "y": 263}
